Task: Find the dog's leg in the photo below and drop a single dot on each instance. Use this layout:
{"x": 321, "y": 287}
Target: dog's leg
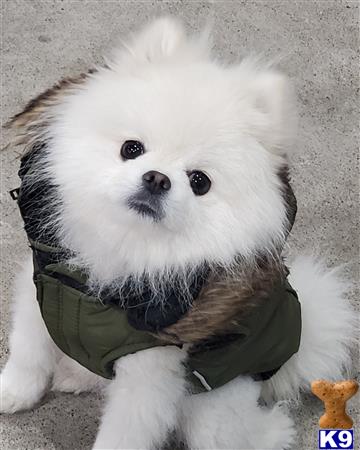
{"x": 230, "y": 418}
{"x": 32, "y": 353}
{"x": 142, "y": 401}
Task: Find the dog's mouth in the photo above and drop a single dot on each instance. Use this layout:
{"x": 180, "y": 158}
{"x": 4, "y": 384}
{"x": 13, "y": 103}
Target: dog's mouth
{"x": 147, "y": 206}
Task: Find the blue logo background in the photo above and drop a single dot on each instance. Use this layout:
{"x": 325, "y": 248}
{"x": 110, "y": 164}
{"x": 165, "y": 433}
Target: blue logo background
{"x": 338, "y": 439}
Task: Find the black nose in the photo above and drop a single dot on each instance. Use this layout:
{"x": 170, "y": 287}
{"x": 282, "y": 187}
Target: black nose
{"x": 156, "y": 182}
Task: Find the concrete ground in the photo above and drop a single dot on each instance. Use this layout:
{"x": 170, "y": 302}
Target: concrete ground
{"x": 318, "y": 42}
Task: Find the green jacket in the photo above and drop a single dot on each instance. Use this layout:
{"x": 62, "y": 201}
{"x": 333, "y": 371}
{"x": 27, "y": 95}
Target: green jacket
{"x": 97, "y": 334}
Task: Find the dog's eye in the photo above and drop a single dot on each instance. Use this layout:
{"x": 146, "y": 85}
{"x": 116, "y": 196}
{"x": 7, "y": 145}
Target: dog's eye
{"x": 132, "y": 149}
{"x": 199, "y": 182}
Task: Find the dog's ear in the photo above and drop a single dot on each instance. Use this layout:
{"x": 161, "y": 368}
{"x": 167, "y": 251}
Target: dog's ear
{"x": 271, "y": 105}
{"x": 31, "y": 123}
{"x": 163, "y": 39}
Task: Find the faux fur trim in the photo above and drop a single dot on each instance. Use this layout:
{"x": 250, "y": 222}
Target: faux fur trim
{"x": 223, "y": 300}
{"x": 32, "y": 123}
{"x": 288, "y": 196}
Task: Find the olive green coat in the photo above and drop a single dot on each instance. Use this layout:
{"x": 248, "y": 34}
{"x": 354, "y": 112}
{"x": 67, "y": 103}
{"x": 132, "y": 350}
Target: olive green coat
{"x": 96, "y": 335}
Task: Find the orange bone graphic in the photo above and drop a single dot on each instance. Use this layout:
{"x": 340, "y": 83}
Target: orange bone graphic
{"x": 335, "y": 396}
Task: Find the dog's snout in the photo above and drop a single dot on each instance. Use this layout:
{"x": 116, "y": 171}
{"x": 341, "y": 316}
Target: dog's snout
{"x": 156, "y": 182}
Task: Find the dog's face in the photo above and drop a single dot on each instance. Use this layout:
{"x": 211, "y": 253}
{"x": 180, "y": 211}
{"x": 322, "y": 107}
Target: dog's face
{"x": 165, "y": 159}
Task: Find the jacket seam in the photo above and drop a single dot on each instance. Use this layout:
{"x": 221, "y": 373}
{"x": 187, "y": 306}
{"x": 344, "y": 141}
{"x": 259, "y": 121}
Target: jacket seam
{"x": 61, "y": 317}
{"x": 78, "y": 313}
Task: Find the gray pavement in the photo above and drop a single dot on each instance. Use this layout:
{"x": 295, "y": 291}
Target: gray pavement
{"x": 318, "y": 44}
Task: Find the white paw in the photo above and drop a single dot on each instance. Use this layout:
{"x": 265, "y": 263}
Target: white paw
{"x": 70, "y": 376}
{"x": 281, "y": 430}
{"x": 20, "y": 390}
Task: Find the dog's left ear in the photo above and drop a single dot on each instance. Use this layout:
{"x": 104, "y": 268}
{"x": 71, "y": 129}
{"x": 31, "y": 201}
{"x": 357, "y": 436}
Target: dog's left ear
{"x": 270, "y": 102}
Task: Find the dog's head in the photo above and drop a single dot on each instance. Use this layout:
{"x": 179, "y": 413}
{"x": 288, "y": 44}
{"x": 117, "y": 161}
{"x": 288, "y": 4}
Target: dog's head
{"x": 165, "y": 159}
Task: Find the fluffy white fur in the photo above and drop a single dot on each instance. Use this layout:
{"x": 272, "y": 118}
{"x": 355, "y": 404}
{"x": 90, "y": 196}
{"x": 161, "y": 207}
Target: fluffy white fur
{"x": 144, "y": 397}
{"x": 230, "y": 418}
{"x": 32, "y": 352}
{"x": 191, "y": 113}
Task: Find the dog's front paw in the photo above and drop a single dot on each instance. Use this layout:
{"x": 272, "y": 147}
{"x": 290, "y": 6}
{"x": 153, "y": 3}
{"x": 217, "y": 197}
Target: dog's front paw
{"x": 280, "y": 434}
{"x": 20, "y": 390}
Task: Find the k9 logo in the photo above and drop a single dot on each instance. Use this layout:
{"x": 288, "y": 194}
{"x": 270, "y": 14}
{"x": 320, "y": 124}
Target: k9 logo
{"x": 336, "y": 439}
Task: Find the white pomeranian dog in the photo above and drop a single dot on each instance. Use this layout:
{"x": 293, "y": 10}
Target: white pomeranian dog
{"x": 156, "y": 200}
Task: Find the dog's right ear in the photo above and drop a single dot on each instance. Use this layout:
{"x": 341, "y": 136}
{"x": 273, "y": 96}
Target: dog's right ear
{"x": 164, "y": 39}
{"x": 32, "y": 123}
{"x": 267, "y": 103}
